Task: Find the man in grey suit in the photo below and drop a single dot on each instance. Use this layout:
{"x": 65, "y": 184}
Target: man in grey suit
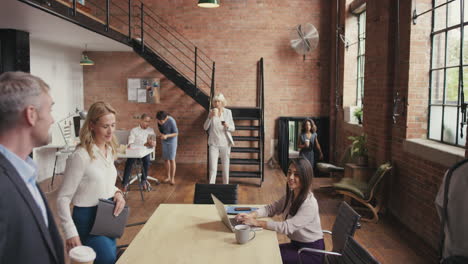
{"x": 28, "y": 233}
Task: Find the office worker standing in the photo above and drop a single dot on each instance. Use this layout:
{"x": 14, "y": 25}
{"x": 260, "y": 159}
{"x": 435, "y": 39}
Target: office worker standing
{"x": 219, "y": 125}
{"x": 28, "y": 233}
{"x": 300, "y": 212}
{"x": 90, "y": 175}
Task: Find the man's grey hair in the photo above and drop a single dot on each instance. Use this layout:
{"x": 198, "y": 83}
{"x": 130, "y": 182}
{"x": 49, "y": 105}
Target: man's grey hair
{"x": 17, "y": 91}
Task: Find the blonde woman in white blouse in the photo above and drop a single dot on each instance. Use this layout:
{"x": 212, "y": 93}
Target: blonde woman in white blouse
{"x": 90, "y": 175}
{"x": 219, "y": 125}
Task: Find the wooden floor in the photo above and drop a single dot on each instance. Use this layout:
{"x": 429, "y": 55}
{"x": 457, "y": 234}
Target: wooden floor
{"x": 386, "y": 240}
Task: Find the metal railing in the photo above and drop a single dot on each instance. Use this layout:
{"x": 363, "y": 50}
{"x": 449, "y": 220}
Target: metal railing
{"x": 133, "y": 19}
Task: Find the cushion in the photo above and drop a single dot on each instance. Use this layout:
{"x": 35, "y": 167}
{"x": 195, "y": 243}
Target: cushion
{"x": 357, "y": 187}
{"x": 327, "y": 167}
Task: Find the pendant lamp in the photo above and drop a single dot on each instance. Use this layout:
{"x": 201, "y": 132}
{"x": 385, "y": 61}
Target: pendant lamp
{"x": 208, "y": 3}
{"x": 85, "y": 61}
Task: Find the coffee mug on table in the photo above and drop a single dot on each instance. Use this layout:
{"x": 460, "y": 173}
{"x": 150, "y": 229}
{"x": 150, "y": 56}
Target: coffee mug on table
{"x": 82, "y": 255}
{"x": 243, "y": 233}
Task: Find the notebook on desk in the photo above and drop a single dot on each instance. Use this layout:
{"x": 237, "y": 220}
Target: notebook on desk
{"x": 230, "y": 223}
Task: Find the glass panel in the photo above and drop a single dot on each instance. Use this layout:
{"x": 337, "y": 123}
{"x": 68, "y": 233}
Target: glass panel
{"x": 453, "y": 47}
{"x": 465, "y": 42}
{"x": 437, "y": 87}
{"x": 440, "y": 15}
{"x": 435, "y": 122}
{"x": 465, "y": 11}
{"x": 438, "y": 51}
{"x": 453, "y": 13}
{"x": 450, "y": 124}
{"x": 451, "y": 90}
{"x": 461, "y": 141}
{"x": 465, "y": 82}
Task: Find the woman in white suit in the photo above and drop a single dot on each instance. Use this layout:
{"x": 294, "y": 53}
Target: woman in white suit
{"x": 219, "y": 125}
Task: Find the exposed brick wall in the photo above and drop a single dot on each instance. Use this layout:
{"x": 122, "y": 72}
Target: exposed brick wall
{"x": 235, "y": 35}
{"x": 414, "y": 182}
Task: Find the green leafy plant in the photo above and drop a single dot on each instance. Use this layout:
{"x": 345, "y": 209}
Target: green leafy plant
{"x": 358, "y": 146}
{"x": 358, "y": 114}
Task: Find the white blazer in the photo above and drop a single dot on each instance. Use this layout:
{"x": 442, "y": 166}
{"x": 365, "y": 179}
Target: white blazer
{"x": 227, "y": 117}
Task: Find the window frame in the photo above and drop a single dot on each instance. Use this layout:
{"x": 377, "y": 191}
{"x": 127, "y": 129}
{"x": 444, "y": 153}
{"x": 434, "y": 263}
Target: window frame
{"x": 460, "y": 66}
{"x": 361, "y": 58}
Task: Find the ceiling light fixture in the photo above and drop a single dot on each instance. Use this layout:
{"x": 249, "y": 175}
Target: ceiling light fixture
{"x": 208, "y": 3}
{"x": 85, "y": 61}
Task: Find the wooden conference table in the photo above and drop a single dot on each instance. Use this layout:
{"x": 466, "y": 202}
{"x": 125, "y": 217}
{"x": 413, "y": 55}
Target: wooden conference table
{"x": 193, "y": 233}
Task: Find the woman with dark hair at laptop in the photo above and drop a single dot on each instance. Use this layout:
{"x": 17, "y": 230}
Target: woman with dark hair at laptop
{"x": 300, "y": 212}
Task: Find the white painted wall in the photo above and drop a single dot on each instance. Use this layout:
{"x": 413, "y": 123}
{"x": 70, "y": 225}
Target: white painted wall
{"x": 59, "y": 67}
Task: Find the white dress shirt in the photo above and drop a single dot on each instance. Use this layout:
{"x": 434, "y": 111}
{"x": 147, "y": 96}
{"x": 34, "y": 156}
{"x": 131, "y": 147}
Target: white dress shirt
{"x": 85, "y": 182}
{"x": 139, "y": 136}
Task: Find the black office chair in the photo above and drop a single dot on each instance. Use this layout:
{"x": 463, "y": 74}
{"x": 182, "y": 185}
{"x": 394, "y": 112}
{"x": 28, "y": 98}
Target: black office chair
{"x": 353, "y": 253}
{"x": 226, "y": 193}
{"x": 346, "y": 223}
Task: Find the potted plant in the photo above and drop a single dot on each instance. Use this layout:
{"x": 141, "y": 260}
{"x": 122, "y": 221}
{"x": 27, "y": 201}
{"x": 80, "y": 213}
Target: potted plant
{"x": 358, "y": 114}
{"x": 359, "y": 149}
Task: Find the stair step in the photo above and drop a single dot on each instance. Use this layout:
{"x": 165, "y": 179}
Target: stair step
{"x": 245, "y": 118}
{"x": 242, "y": 138}
{"x": 243, "y": 161}
{"x": 245, "y": 150}
{"x": 242, "y": 174}
{"x": 247, "y": 127}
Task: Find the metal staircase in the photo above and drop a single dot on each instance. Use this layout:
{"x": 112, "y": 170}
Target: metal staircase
{"x": 133, "y": 24}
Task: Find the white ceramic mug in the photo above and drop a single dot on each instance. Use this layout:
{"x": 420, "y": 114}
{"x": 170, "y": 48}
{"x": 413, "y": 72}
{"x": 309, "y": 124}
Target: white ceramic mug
{"x": 82, "y": 255}
{"x": 243, "y": 233}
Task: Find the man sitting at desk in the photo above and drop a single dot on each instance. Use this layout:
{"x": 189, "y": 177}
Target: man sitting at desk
{"x": 140, "y": 136}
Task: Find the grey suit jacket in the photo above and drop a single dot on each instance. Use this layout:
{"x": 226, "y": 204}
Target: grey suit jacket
{"x": 24, "y": 236}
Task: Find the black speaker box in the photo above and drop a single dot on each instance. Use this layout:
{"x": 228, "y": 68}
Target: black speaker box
{"x": 14, "y": 50}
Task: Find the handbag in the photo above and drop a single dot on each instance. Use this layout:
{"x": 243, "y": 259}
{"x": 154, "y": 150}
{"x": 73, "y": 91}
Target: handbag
{"x": 105, "y": 223}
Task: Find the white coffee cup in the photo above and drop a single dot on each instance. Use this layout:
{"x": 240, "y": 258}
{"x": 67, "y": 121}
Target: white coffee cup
{"x": 82, "y": 255}
{"x": 307, "y": 142}
{"x": 215, "y": 111}
{"x": 243, "y": 233}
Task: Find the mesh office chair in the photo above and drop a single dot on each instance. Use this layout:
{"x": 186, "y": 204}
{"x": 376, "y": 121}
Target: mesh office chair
{"x": 226, "y": 193}
{"x": 346, "y": 223}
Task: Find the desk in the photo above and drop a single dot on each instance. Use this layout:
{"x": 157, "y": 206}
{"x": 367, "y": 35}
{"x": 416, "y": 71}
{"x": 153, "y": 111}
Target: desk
{"x": 194, "y": 233}
{"x": 137, "y": 153}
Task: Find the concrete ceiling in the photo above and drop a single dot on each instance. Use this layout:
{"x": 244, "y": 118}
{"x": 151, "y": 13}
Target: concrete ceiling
{"x": 48, "y": 28}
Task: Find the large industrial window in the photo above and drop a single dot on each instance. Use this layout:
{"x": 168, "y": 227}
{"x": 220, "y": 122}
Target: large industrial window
{"x": 448, "y": 71}
{"x": 361, "y": 57}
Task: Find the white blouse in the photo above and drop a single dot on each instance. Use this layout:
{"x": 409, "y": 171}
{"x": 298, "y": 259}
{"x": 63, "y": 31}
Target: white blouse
{"x": 85, "y": 182}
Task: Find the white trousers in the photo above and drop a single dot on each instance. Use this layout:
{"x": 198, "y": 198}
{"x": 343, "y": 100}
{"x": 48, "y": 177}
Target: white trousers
{"x": 224, "y": 153}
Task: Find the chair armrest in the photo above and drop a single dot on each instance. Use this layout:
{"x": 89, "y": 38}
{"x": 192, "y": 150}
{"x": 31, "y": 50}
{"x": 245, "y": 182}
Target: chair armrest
{"x": 327, "y": 232}
{"x": 314, "y": 250}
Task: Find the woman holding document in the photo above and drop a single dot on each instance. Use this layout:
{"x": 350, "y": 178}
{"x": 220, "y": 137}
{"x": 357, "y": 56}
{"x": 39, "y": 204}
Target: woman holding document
{"x": 89, "y": 176}
{"x": 219, "y": 125}
{"x": 300, "y": 212}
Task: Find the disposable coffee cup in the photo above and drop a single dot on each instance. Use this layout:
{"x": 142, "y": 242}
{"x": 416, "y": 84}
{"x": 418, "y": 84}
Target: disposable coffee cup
{"x": 243, "y": 233}
{"x": 82, "y": 255}
{"x": 307, "y": 142}
{"x": 215, "y": 111}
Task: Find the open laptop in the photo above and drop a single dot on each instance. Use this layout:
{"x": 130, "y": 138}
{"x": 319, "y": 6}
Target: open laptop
{"x": 230, "y": 223}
